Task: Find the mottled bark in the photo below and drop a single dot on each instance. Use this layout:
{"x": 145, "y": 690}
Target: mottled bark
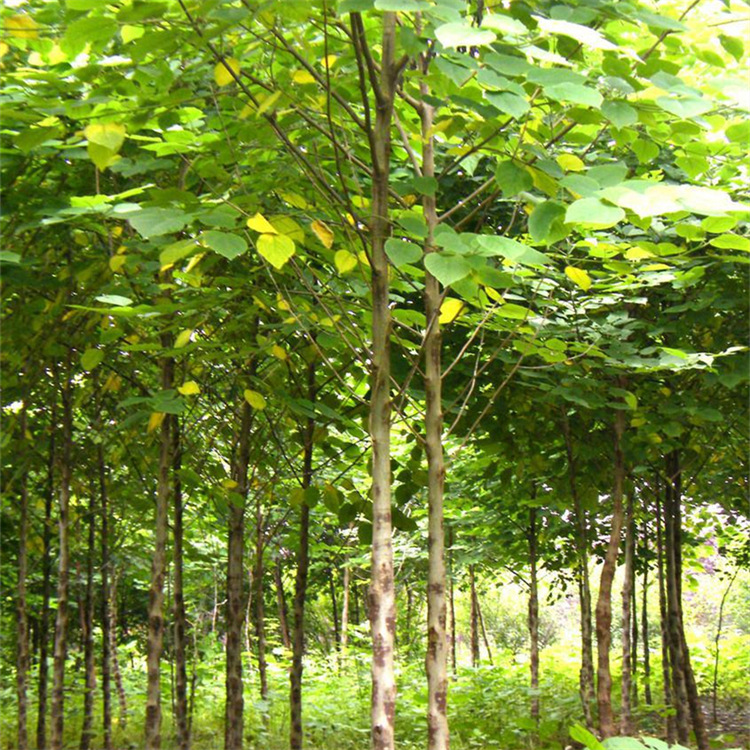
{"x": 644, "y": 624}
{"x": 627, "y": 600}
{"x": 234, "y": 710}
{"x": 452, "y": 605}
{"x": 260, "y": 615}
{"x": 475, "y": 655}
{"x": 155, "y": 639}
{"x": 296, "y": 738}
{"x": 671, "y": 726}
{"x": 87, "y": 630}
{"x": 22, "y": 620}
{"x": 104, "y": 611}
{"x": 604, "y": 603}
{"x": 382, "y": 609}
{"x": 345, "y": 609}
{"x": 122, "y": 698}
{"x": 483, "y": 630}
{"x": 533, "y": 615}
{"x": 281, "y": 606}
{"x": 57, "y": 715}
{"x": 586, "y": 674}
{"x": 178, "y": 605}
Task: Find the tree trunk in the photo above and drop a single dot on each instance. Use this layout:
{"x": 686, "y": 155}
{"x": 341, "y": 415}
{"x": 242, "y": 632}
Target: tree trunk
{"x": 437, "y": 641}
{"x": 158, "y": 570}
{"x": 104, "y": 601}
{"x": 300, "y": 582}
{"x": 345, "y": 610}
{"x": 604, "y": 603}
{"x": 22, "y": 622}
{"x": 475, "y": 655}
{"x": 281, "y": 605}
{"x": 234, "y": 712}
{"x": 627, "y": 615}
{"x": 452, "y": 604}
{"x": 533, "y": 616}
{"x": 485, "y": 640}
{"x": 634, "y": 635}
{"x": 41, "y": 719}
{"x": 334, "y": 610}
{"x": 644, "y": 623}
{"x": 61, "y": 620}
{"x": 87, "y": 621}
{"x": 260, "y": 621}
{"x": 586, "y": 676}
{"x": 671, "y": 725}
{"x": 382, "y": 604}
{"x": 180, "y": 621}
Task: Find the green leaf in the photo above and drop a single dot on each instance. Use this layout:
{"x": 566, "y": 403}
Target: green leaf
{"x": 153, "y": 222}
{"x": 623, "y": 743}
{"x": 402, "y": 6}
{"x": 575, "y": 93}
{"x": 511, "y": 178}
{"x": 224, "y": 243}
{"x": 513, "y": 311}
{"x": 114, "y": 299}
{"x": 504, "y": 23}
{"x": 447, "y": 269}
{"x": 719, "y": 224}
{"x": 91, "y": 358}
{"x": 255, "y": 399}
{"x": 512, "y": 104}
{"x": 686, "y": 107}
{"x": 733, "y": 45}
{"x": 6, "y": 256}
{"x": 582, "y": 735}
{"x": 511, "y": 250}
{"x": 401, "y": 252}
{"x": 646, "y": 151}
{"x": 591, "y": 212}
{"x": 460, "y": 34}
{"x": 731, "y": 242}
{"x": 277, "y": 249}
{"x": 619, "y": 114}
{"x": 177, "y": 251}
{"x": 546, "y": 223}
{"x": 583, "y": 34}
{"x": 425, "y": 185}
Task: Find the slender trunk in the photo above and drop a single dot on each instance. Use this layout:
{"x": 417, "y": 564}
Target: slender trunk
{"x": 671, "y": 725}
{"x": 234, "y": 711}
{"x": 105, "y": 615}
{"x": 437, "y": 641}
{"x": 533, "y": 616}
{"x": 281, "y": 605}
{"x": 41, "y": 719}
{"x": 452, "y": 604}
{"x": 61, "y": 619}
{"x": 122, "y": 697}
{"x": 260, "y": 617}
{"x": 334, "y": 610}
{"x": 717, "y": 641}
{"x": 345, "y": 610}
{"x": 158, "y": 570}
{"x": 627, "y": 600}
{"x": 694, "y": 703}
{"x": 180, "y": 620}
{"x": 193, "y": 683}
{"x": 300, "y": 582}
{"x": 634, "y": 635}
{"x": 382, "y": 604}
{"x": 248, "y": 614}
{"x": 604, "y": 603}
{"x": 483, "y": 630}
{"x": 22, "y": 648}
{"x": 474, "y": 618}
{"x": 87, "y": 620}
{"x": 586, "y": 675}
{"x": 644, "y": 624}
{"x": 676, "y": 658}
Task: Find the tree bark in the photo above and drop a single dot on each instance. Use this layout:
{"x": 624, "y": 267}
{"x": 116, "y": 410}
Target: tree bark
{"x": 260, "y": 617}
{"x": 57, "y": 716}
{"x": 634, "y": 638}
{"x": 234, "y": 711}
{"x": 105, "y": 614}
{"x": 475, "y": 655}
{"x": 87, "y": 621}
{"x": 586, "y": 675}
{"x": 345, "y": 610}
{"x": 382, "y": 604}
{"x": 281, "y": 605}
{"x": 604, "y": 603}
{"x": 644, "y": 624}
{"x": 485, "y": 639}
{"x": 22, "y": 621}
{"x": 627, "y": 615}
{"x": 158, "y": 569}
{"x": 452, "y": 604}
{"x": 49, "y": 495}
{"x": 296, "y": 738}
{"x": 671, "y": 725}
{"x": 334, "y": 610}
{"x": 436, "y": 664}
{"x": 533, "y": 616}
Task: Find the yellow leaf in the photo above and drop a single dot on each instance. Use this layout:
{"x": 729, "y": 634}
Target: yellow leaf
{"x": 268, "y": 102}
{"x": 345, "y": 261}
{"x": 277, "y": 249}
{"x": 222, "y": 74}
{"x": 450, "y": 310}
{"x": 638, "y": 253}
{"x": 329, "y": 61}
{"x": 183, "y": 338}
{"x": 155, "y": 420}
{"x": 255, "y": 399}
{"x": 3, "y": 49}
{"x": 302, "y": 76}
{"x": 229, "y": 484}
{"x": 189, "y": 388}
{"x": 323, "y": 233}
{"x": 578, "y": 276}
{"x": 494, "y": 295}
{"x": 21, "y": 26}
{"x": 278, "y": 352}
{"x": 113, "y": 383}
{"x": 570, "y": 163}
{"x": 260, "y": 224}
{"x": 294, "y": 200}
{"x": 194, "y": 261}
{"x": 110, "y": 135}
{"x": 288, "y": 226}
{"x": 116, "y": 262}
